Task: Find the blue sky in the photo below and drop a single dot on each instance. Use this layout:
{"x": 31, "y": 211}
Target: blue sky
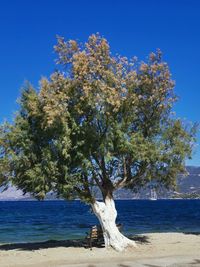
{"x": 132, "y": 27}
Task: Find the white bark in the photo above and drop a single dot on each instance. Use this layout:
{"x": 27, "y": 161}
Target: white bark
{"x": 107, "y": 214}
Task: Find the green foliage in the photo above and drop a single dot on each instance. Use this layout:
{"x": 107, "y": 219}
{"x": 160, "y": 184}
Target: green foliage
{"x": 103, "y": 122}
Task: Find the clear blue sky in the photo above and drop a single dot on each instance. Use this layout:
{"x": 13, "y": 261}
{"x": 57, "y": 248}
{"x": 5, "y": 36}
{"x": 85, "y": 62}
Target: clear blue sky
{"x": 133, "y": 27}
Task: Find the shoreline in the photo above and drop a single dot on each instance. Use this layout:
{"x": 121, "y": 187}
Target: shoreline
{"x": 153, "y": 249}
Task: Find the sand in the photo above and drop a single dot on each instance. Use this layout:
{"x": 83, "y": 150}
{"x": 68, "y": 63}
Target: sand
{"x": 153, "y": 250}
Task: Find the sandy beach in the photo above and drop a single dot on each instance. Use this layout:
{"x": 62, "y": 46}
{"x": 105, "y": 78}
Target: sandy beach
{"x": 153, "y": 250}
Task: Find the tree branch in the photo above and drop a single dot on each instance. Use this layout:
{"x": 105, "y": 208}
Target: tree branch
{"x": 128, "y": 179}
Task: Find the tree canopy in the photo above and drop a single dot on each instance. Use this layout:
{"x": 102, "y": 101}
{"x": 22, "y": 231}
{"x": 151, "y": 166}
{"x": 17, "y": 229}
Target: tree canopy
{"x": 100, "y": 121}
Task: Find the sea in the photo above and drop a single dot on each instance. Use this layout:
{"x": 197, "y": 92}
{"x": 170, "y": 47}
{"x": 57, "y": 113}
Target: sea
{"x": 35, "y": 221}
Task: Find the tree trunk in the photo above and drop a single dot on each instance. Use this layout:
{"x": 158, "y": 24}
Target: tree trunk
{"x": 106, "y": 213}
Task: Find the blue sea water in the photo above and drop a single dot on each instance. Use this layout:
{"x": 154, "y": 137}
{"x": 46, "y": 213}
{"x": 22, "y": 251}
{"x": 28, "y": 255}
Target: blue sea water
{"x": 31, "y": 221}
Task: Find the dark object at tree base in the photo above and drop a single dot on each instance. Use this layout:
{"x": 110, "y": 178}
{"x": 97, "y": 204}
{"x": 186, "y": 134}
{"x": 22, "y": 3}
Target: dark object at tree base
{"x": 95, "y": 236}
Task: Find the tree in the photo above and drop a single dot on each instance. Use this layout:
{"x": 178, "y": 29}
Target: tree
{"x": 103, "y": 122}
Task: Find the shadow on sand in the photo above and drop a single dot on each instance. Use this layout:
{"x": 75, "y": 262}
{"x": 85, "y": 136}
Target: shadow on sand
{"x": 81, "y": 243}
{"x": 191, "y": 233}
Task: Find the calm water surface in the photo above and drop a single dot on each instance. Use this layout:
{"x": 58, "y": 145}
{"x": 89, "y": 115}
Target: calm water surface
{"x": 30, "y": 221}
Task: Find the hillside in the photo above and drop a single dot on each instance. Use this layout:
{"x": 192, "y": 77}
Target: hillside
{"x": 187, "y": 187}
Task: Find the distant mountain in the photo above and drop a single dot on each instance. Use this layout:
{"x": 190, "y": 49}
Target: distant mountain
{"x": 13, "y": 194}
{"x": 187, "y": 187}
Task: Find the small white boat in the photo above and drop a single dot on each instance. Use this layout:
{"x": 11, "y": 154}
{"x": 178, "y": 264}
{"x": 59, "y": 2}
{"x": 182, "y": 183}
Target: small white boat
{"x": 153, "y": 195}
